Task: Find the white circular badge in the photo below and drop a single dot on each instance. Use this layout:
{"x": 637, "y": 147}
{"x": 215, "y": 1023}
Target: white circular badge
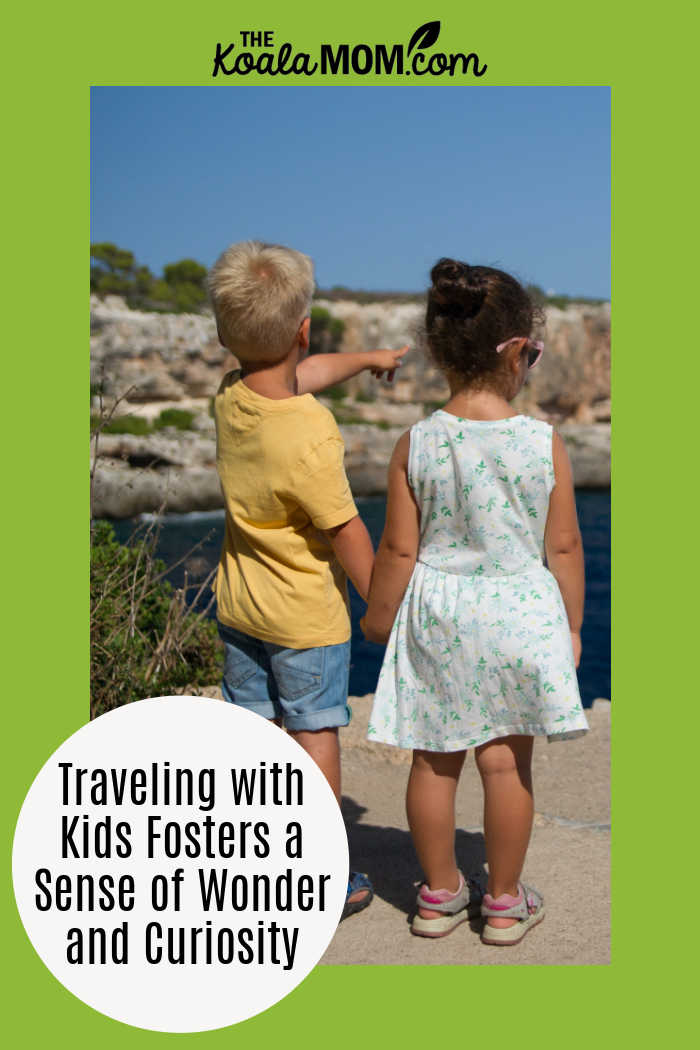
{"x": 180, "y": 864}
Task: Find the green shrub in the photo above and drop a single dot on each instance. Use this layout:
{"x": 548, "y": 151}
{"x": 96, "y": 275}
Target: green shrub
{"x": 145, "y": 637}
{"x": 365, "y": 398}
{"x": 174, "y": 417}
{"x": 188, "y": 298}
{"x": 347, "y": 419}
{"x": 357, "y": 295}
{"x": 169, "y": 417}
{"x": 326, "y": 331}
{"x": 335, "y": 393}
{"x": 542, "y": 298}
{"x": 122, "y": 425}
{"x": 160, "y": 291}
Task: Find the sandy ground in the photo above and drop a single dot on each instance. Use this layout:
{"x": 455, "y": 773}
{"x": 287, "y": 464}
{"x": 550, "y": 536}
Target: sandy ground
{"x": 568, "y": 860}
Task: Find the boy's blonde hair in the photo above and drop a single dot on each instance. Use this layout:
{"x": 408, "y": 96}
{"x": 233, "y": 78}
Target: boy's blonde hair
{"x": 260, "y": 293}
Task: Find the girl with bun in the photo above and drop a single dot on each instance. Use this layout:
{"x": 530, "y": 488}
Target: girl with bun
{"x": 482, "y": 639}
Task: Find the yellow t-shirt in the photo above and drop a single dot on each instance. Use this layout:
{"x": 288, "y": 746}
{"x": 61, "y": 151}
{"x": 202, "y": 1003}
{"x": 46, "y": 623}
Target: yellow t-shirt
{"x": 281, "y": 469}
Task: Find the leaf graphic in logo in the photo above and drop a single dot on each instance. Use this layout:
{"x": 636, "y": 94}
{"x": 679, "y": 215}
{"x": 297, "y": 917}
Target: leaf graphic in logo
{"x": 429, "y": 32}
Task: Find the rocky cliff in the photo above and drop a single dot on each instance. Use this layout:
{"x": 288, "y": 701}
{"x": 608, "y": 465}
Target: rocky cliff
{"x": 154, "y": 361}
{"x": 572, "y": 384}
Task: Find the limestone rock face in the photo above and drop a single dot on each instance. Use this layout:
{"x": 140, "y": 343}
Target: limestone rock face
{"x": 368, "y": 451}
{"x": 120, "y": 491}
{"x": 176, "y": 471}
{"x": 573, "y": 377}
{"x": 588, "y": 446}
{"x": 167, "y": 357}
{"x": 152, "y": 356}
{"x": 575, "y": 373}
{"x": 154, "y": 361}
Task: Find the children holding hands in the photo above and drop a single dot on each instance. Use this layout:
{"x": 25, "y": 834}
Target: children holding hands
{"x": 482, "y": 639}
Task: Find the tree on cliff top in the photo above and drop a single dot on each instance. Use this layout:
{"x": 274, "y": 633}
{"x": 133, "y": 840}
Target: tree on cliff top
{"x": 187, "y": 279}
{"x": 111, "y": 269}
{"x": 114, "y": 271}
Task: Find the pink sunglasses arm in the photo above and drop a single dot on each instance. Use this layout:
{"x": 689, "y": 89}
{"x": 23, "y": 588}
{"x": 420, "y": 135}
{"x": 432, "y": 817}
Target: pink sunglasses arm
{"x": 536, "y": 344}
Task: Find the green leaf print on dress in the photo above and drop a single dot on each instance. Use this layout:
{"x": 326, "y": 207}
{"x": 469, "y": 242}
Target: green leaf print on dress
{"x": 480, "y": 647}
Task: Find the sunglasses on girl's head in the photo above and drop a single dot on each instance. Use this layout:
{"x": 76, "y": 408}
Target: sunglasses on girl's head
{"x": 534, "y": 348}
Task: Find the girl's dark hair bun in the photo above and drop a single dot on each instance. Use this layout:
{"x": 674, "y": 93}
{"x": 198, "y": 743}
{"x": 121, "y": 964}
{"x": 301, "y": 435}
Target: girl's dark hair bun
{"x": 458, "y": 289}
{"x": 470, "y": 311}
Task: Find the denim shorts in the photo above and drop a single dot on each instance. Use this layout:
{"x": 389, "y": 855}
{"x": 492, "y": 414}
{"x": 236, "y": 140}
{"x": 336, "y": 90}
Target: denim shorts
{"x": 304, "y": 688}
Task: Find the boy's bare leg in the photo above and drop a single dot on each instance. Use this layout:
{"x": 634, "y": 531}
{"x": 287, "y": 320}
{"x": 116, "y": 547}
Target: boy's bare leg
{"x": 324, "y": 747}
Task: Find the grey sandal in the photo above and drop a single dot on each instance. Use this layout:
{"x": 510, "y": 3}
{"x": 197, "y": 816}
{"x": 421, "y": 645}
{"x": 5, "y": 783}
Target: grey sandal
{"x": 528, "y": 908}
{"x": 455, "y": 908}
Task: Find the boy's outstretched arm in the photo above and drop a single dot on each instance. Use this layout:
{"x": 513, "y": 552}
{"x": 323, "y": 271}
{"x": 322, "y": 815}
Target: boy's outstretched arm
{"x": 562, "y": 543}
{"x": 397, "y": 552}
{"x": 321, "y": 370}
{"x": 353, "y": 549}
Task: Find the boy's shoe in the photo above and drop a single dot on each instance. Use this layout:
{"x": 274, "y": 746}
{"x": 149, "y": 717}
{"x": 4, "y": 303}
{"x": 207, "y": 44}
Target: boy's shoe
{"x": 357, "y": 881}
{"x": 527, "y": 907}
{"x": 456, "y": 908}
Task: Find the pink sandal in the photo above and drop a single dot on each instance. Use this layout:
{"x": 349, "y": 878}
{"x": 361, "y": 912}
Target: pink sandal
{"x": 527, "y": 907}
{"x": 456, "y": 908}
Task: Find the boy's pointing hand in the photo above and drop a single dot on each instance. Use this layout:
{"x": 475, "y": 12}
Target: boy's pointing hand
{"x": 388, "y": 361}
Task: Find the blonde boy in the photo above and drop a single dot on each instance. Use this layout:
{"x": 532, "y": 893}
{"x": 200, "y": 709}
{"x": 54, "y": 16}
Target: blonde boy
{"x": 293, "y": 533}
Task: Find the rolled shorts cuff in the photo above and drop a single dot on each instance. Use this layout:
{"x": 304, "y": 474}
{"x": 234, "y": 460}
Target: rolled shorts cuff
{"x": 312, "y": 721}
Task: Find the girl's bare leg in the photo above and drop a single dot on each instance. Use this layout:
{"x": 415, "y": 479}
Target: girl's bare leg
{"x": 505, "y": 768}
{"x": 430, "y": 807}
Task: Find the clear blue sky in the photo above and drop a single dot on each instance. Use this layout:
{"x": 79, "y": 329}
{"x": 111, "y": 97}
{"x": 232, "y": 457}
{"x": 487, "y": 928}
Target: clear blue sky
{"x": 374, "y": 183}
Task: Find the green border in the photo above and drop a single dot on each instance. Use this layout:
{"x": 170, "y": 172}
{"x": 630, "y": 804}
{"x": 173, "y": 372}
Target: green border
{"x": 53, "y": 54}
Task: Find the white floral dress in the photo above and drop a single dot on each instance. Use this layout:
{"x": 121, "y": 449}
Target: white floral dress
{"x": 480, "y": 647}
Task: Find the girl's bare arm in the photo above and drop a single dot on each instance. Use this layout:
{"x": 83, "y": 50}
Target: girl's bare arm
{"x": 397, "y": 552}
{"x": 562, "y": 543}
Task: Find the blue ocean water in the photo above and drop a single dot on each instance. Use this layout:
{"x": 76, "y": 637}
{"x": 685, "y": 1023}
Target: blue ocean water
{"x": 180, "y": 532}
